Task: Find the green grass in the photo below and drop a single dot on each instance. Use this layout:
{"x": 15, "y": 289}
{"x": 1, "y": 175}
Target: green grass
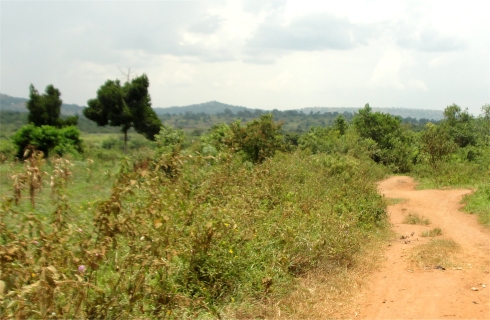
{"x": 394, "y": 201}
{"x": 432, "y": 233}
{"x": 413, "y": 218}
{"x": 479, "y": 203}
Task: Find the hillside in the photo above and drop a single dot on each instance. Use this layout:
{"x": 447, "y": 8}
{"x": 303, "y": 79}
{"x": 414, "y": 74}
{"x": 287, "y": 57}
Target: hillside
{"x": 9, "y": 103}
{"x": 211, "y": 107}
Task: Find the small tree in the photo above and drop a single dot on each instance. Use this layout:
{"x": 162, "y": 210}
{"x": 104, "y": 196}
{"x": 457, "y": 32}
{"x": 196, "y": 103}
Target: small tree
{"x": 437, "y": 143}
{"x": 259, "y": 140}
{"x": 45, "y": 109}
{"x": 340, "y": 124}
{"x": 460, "y": 125}
{"x": 393, "y": 141}
{"x": 125, "y": 106}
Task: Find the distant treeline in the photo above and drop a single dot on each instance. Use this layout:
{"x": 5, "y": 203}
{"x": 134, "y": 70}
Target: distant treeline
{"x": 198, "y": 123}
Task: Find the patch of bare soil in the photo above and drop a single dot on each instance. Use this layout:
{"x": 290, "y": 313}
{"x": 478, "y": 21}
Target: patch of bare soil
{"x": 405, "y": 289}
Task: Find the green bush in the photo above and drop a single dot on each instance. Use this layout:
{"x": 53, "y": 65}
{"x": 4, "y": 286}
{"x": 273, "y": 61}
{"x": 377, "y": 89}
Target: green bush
{"x": 48, "y": 139}
{"x": 394, "y": 143}
{"x": 259, "y": 140}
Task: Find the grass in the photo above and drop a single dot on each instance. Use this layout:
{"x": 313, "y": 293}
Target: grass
{"x": 394, "y": 201}
{"x": 438, "y": 252}
{"x": 413, "y": 218}
{"x": 181, "y": 238}
{"x": 432, "y": 233}
{"x": 474, "y": 175}
{"x": 334, "y": 292}
{"x": 479, "y": 203}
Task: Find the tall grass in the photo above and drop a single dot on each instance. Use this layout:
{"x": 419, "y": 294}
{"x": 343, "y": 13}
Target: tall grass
{"x": 185, "y": 236}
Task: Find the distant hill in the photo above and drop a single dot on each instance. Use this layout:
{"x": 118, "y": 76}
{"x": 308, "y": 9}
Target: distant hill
{"x": 8, "y": 103}
{"x": 211, "y": 107}
{"x": 404, "y": 113}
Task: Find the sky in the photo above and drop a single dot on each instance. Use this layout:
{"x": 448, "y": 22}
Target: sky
{"x": 258, "y": 54}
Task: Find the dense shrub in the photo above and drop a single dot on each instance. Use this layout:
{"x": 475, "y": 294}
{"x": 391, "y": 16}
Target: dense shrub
{"x": 258, "y": 140}
{"x": 48, "y": 139}
{"x": 395, "y": 143}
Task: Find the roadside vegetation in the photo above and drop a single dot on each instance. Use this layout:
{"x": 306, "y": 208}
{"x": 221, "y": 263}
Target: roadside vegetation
{"x": 413, "y": 218}
{"x": 224, "y": 223}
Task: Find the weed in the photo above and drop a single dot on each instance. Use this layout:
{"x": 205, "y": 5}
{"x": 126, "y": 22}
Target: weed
{"x": 414, "y": 218}
{"x": 432, "y": 233}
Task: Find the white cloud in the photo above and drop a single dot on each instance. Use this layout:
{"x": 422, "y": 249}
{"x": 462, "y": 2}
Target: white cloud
{"x": 277, "y": 83}
{"x": 418, "y": 84}
{"x": 267, "y": 54}
{"x": 387, "y": 71}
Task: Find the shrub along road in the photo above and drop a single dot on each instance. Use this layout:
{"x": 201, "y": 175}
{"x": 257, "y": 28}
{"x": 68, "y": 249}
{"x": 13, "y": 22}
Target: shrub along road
{"x": 446, "y": 276}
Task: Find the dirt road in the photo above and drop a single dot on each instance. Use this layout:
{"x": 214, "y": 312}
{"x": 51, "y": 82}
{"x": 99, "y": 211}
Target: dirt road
{"x": 401, "y": 289}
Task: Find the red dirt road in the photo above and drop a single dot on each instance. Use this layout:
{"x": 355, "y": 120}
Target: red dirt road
{"x": 402, "y": 290}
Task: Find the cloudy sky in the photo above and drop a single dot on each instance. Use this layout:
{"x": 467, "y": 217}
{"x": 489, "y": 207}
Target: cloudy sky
{"x": 259, "y": 54}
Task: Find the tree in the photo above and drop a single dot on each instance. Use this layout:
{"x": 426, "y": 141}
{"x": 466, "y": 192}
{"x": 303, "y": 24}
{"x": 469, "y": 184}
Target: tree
{"x": 437, "y": 143}
{"x": 259, "y": 140}
{"x": 392, "y": 140}
{"x": 460, "y": 125}
{"x": 125, "y": 106}
{"x": 45, "y": 109}
{"x": 340, "y": 124}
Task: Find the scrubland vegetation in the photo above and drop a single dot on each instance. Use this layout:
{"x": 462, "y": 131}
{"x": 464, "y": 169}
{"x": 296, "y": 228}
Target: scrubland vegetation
{"x": 217, "y": 225}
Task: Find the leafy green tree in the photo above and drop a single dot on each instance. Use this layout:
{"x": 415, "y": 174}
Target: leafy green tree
{"x": 340, "y": 124}
{"x": 460, "y": 125}
{"x": 393, "y": 141}
{"x": 259, "y": 140}
{"x": 45, "y": 109}
{"x": 437, "y": 143}
{"x": 126, "y": 106}
{"x": 318, "y": 139}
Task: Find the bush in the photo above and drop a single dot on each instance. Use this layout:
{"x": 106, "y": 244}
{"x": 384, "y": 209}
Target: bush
{"x": 259, "y": 140}
{"x": 393, "y": 141}
{"x": 47, "y": 139}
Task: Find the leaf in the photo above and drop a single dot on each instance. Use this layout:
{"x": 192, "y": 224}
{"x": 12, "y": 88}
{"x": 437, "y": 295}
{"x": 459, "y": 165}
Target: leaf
{"x": 157, "y": 223}
{"x": 55, "y": 272}
{"x": 28, "y": 288}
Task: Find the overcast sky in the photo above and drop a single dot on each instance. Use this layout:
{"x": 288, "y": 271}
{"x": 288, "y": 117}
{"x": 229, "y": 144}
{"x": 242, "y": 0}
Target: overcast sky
{"x": 258, "y": 54}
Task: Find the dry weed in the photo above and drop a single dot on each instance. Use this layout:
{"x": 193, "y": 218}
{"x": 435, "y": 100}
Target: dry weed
{"x": 438, "y": 252}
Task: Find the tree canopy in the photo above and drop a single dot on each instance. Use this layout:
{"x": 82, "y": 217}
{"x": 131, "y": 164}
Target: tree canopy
{"x": 45, "y": 109}
{"x": 126, "y": 106}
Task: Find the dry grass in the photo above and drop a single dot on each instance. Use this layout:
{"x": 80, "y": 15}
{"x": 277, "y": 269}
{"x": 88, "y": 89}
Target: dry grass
{"x": 414, "y": 218}
{"x": 332, "y": 291}
{"x": 438, "y": 252}
{"x": 432, "y": 233}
